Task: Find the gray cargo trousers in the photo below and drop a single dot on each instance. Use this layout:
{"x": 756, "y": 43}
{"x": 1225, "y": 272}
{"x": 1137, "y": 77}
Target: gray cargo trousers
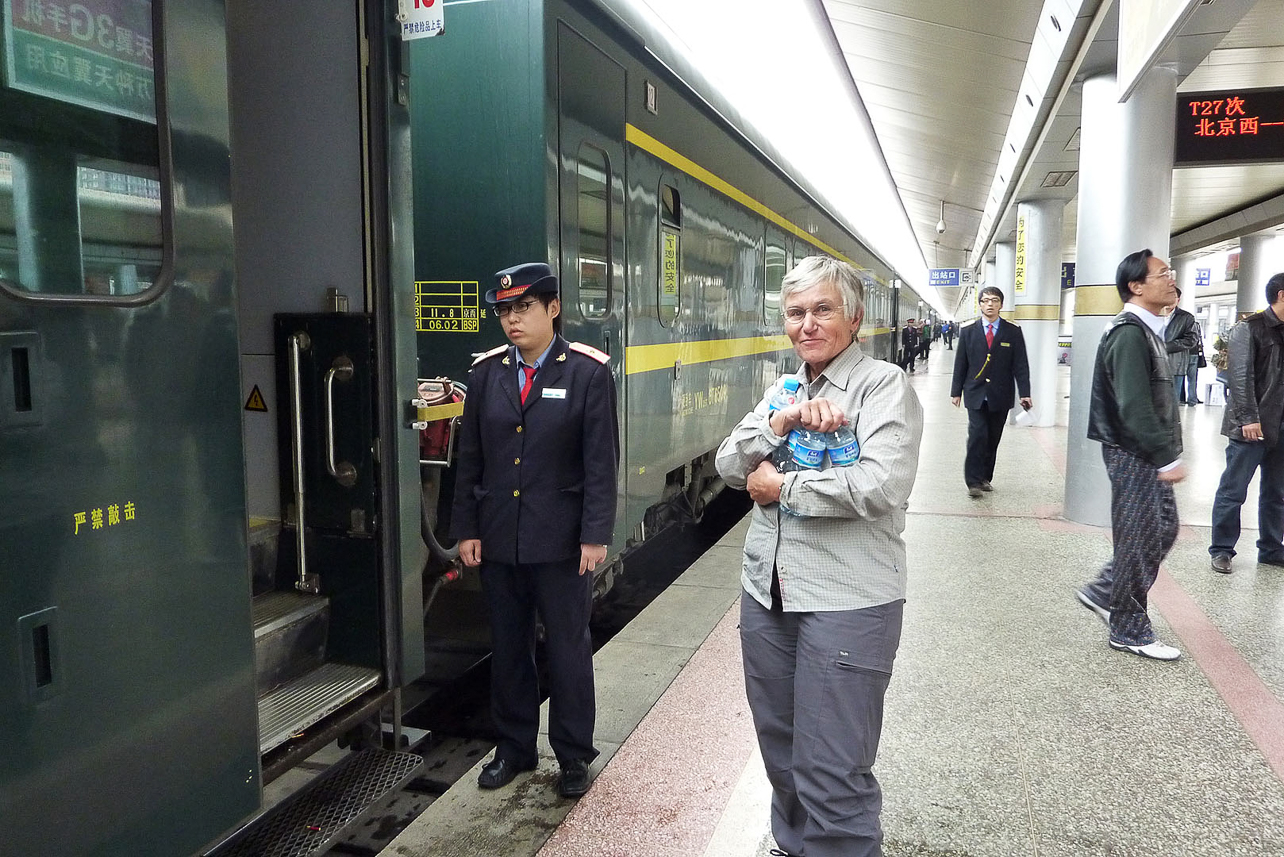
{"x": 815, "y": 684}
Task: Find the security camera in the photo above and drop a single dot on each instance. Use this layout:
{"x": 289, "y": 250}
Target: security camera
{"x": 940, "y": 227}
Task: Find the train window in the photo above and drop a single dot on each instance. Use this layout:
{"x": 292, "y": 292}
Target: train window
{"x": 670, "y": 282}
{"x": 670, "y": 207}
{"x": 594, "y": 232}
{"x": 81, "y": 214}
{"x": 777, "y": 267}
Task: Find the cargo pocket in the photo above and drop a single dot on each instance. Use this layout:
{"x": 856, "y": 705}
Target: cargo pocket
{"x": 851, "y": 715}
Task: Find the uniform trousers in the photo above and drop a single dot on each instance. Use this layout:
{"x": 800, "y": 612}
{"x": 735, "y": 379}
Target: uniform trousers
{"x": 984, "y": 431}
{"x": 1143, "y": 523}
{"x": 815, "y": 684}
{"x": 1242, "y": 460}
{"x": 564, "y": 599}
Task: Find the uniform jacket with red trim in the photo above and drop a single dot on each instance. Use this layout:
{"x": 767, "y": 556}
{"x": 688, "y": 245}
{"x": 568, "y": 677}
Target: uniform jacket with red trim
{"x": 535, "y": 481}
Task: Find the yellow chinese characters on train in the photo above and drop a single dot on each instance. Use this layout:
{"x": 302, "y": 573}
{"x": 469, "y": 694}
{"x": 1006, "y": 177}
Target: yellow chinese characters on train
{"x": 103, "y": 517}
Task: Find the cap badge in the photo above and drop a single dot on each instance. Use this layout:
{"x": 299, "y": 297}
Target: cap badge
{"x": 505, "y": 280}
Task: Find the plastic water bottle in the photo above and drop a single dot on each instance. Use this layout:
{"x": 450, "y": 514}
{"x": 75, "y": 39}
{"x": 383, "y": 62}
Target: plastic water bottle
{"x": 790, "y": 393}
{"x": 842, "y": 446}
{"x": 807, "y": 450}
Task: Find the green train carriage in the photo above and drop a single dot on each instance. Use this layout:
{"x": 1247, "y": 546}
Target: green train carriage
{"x": 581, "y": 141}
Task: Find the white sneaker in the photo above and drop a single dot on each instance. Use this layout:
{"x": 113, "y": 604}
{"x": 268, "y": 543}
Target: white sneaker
{"x": 1093, "y": 606}
{"x": 1155, "y": 651}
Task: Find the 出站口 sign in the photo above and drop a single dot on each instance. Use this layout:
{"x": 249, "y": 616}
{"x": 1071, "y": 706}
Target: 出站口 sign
{"x": 943, "y": 277}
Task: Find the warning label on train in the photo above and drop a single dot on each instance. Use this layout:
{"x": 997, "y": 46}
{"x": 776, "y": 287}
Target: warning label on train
{"x": 446, "y": 307}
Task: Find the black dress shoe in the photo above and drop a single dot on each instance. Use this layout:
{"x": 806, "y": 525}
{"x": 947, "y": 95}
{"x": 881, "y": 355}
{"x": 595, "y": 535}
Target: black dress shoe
{"x": 1270, "y": 559}
{"x": 574, "y": 780}
{"x": 500, "y": 772}
{"x": 986, "y": 486}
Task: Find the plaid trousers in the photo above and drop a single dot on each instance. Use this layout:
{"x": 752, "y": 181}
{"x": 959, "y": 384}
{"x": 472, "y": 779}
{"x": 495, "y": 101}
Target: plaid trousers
{"x": 1143, "y": 521}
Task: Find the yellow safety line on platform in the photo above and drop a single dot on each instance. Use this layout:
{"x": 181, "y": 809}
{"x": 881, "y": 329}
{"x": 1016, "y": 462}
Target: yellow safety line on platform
{"x": 1097, "y": 300}
{"x": 1038, "y": 312}
{"x": 643, "y": 140}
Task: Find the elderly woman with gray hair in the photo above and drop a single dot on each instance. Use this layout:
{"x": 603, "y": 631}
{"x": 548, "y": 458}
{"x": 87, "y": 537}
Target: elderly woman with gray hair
{"x": 824, "y": 587}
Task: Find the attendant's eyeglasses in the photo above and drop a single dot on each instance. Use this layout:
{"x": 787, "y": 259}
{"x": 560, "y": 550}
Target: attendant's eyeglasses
{"x": 1165, "y": 274}
{"x": 820, "y": 312}
{"x": 520, "y": 308}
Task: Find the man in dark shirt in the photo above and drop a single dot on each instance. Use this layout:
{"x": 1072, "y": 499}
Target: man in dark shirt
{"x": 1134, "y": 416}
{"x": 1181, "y": 336}
{"x": 989, "y": 365}
{"x": 909, "y": 345}
{"x": 1255, "y": 369}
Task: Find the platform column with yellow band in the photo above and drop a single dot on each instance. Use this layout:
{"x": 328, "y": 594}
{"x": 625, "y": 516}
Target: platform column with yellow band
{"x": 1037, "y": 288}
{"x": 1125, "y": 199}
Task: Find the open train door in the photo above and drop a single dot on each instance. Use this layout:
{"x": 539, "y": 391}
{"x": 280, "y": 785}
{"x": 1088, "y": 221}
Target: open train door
{"x": 590, "y": 138}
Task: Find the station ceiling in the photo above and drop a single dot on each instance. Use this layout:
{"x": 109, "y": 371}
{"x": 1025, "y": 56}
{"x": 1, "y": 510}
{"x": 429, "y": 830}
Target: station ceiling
{"x": 942, "y": 83}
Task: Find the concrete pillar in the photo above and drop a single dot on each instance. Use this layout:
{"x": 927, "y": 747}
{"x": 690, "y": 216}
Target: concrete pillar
{"x": 1254, "y": 271}
{"x": 1185, "y": 268}
{"x": 1004, "y": 275}
{"x": 1125, "y": 200}
{"x": 1038, "y": 310}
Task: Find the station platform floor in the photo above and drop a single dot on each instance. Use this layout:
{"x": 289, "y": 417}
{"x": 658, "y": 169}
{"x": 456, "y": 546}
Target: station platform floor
{"x": 1011, "y": 728}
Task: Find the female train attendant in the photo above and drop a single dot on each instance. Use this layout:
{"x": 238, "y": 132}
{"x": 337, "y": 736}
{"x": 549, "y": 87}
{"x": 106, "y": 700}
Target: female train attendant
{"x": 534, "y": 507}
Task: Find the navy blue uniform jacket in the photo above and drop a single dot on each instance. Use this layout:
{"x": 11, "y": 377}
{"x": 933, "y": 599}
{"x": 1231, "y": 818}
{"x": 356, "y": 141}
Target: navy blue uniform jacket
{"x": 988, "y": 374}
{"x": 534, "y": 482}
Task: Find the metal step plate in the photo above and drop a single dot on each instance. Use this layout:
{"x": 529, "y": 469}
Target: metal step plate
{"x": 290, "y": 632}
{"x": 314, "y": 819}
{"x": 296, "y": 705}
{"x": 274, "y": 610}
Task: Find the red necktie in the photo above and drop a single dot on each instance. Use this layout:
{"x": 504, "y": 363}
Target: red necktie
{"x": 530, "y": 379}
{"x": 989, "y": 339}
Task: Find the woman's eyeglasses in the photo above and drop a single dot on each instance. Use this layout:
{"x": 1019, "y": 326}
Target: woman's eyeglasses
{"x": 520, "y": 308}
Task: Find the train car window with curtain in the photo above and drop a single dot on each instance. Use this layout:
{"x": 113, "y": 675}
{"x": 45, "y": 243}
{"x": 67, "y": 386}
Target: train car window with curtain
{"x": 594, "y": 232}
{"x": 777, "y": 266}
{"x": 80, "y": 183}
{"x": 670, "y": 249}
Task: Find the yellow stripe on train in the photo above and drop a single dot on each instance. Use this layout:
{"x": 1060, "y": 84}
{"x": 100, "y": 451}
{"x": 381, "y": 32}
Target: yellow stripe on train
{"x": 645, "y": 141}
{"x": 649, "y": 358}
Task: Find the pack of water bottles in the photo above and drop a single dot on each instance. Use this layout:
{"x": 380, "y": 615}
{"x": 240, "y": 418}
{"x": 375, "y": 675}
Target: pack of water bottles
{"x": 805, "y": 449}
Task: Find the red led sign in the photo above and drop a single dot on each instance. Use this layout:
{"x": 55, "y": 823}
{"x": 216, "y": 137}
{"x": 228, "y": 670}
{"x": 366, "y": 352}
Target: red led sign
{"x": 1232, "y": 127}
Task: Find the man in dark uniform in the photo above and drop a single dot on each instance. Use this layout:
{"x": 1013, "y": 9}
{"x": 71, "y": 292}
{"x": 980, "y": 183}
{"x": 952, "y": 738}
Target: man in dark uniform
{"x": 534, "y": 506}
{"x": 989, "y": 363}
{"x": 909, "y": 345}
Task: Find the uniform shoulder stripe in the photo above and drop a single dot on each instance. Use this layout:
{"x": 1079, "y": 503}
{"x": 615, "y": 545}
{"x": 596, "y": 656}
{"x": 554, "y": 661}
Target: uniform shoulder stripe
{"x": 494, "y": 352}
{"x": 590, "y": 351}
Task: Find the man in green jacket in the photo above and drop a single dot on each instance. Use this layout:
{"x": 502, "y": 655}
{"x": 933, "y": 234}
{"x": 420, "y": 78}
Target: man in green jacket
{"x": 1134, "y": 415}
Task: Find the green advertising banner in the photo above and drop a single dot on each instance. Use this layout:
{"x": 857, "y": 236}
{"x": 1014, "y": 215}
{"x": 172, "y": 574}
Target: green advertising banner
{"x": 96, "y": 53}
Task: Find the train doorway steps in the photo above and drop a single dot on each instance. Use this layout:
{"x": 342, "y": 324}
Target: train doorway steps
{"x": 290, "y": 630}
{"x": 314, "y": 818}
{"x": 298, "y": 704}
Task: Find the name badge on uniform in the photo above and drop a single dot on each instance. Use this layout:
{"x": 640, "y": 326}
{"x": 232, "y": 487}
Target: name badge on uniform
{"x": 1006, "y": 344}
{"x": 553, "y": 393}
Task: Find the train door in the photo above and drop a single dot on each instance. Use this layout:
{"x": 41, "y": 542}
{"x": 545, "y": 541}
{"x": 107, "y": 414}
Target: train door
{"x": 127, "y": 714}
{"x": 590, "y": 130}
{"x": 325, "y": 319}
